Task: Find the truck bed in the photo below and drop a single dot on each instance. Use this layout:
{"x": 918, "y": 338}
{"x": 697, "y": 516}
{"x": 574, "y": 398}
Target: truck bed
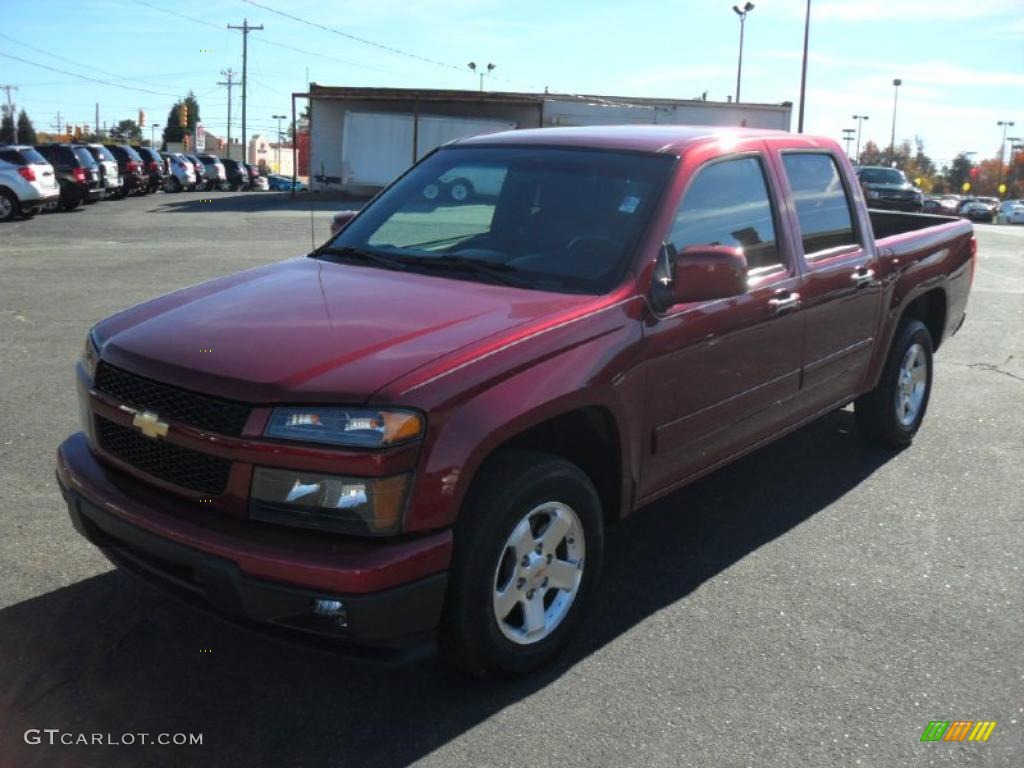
{"x": 889, "y": 223}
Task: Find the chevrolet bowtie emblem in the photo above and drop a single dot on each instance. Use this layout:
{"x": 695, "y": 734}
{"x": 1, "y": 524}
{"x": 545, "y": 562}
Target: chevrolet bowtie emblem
{"x": 149, "y": 424}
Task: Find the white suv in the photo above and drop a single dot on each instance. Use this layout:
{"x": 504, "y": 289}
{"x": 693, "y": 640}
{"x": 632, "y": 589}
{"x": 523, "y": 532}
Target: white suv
{"x": 27, "y": 181}
{"x": 180, "y": 173}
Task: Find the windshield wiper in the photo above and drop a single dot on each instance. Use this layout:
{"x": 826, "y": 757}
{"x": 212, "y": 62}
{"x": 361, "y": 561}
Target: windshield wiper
{"x": 494, "y": 270}
{"x": 359, "y": 254}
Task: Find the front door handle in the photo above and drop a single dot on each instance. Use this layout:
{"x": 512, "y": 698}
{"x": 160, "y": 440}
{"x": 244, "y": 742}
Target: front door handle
{"x": 785, "y": 303}
{"x": 863, "y": 277}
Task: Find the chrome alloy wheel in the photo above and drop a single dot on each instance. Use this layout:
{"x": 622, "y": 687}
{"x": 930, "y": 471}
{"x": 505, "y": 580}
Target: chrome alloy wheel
{"x": 6, "y": 207}
{"x": 910, "y": 385}
{"x": 539, "y": 573}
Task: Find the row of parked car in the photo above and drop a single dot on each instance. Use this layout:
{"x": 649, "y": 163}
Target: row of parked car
{"x": 988, "y": 209}
{"x": 52, "y": 176}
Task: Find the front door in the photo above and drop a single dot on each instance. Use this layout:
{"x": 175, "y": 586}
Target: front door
{"x": 719, "y": 373}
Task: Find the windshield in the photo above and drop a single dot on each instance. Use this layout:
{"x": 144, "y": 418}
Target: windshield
{"x": 882, "y": 176}
{"x": 550, "y": 219}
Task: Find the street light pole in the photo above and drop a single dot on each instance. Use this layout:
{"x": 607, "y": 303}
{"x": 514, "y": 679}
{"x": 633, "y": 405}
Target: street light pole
{"x": 848, "y": 137}
{"x": 892, "y": 142}
{"x": 860, "y": 121}
{"x": 279, "y": 118}
{"x": 1002, "y": 147}
{"x": 482, "y": 72}
{"x": 742, "y": 13}
{"x": 803, "y": 69}
{"x": 152, "y": 133}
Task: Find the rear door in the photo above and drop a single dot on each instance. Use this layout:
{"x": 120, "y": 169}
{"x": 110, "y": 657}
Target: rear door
{"x": 841, "y": 293}
{"x": 721, "y": 374}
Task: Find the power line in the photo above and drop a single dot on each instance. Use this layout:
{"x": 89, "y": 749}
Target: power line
{"x": 363, "y": 40}
{"x": 83, "y": 77}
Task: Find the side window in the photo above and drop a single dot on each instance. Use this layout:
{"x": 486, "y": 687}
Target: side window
{"x": 822, "y": 207}
{"x": 728, "y": 204}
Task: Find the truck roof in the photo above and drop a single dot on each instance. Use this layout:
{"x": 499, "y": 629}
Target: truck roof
{"x": 642, "y": 138}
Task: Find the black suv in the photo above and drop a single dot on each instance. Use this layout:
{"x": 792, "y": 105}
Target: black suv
{"x": 888, "y": 188}
{"x": 238, "y": 174}
{"x": 136, "y": 178}
{"x": 154, "y": 165}
{"x": 77, "y": 173}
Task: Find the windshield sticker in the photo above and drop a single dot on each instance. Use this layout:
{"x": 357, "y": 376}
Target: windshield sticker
{"x": 629, "y": 204}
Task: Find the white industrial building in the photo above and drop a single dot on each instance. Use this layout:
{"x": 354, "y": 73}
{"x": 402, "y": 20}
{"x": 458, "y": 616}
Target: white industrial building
{"x": 362, "y": 138}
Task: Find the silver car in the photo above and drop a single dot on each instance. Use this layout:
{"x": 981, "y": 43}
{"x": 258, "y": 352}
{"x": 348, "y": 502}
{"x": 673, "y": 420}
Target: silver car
{"x": 180, "y": 173}
{"x": 109, "y": 173}
{"x": 27, "y": 181}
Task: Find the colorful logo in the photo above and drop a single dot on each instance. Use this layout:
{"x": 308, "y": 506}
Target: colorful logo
{"x": 958, "y": 730}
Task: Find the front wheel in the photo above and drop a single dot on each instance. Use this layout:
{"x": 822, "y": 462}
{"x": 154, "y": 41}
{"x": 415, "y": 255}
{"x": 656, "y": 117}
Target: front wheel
{"x": 892, "y": 412}
{"x": 528, "y": 552}
{"x": 8, "y": 205}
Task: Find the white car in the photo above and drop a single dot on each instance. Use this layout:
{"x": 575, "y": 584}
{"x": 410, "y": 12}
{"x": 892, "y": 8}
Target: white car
{"x": 1011, "y": 212}
{"x": 180, "y": 173}
{"x": 27, "y": 182}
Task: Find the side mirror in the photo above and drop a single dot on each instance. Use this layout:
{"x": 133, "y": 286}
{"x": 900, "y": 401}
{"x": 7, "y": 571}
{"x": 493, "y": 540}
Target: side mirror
{"x": 341, "y": 220}
{"x": 700, "y": 273}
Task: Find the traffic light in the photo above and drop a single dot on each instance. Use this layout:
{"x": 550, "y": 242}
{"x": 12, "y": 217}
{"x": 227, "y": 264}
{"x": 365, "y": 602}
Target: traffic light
{"x": 220, "y": 145}
{"x": 78, "y": 132}
{"x": 184, "y": 115}
{"x": 185, "y": 141}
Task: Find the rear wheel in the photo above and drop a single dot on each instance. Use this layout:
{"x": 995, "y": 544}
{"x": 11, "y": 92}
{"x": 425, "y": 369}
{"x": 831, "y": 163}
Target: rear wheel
{"x": 27, "y": 212}
{"x": 528, "y": 551}
{"x": 71, "y": 203}
{"x": 892, "y": 412}
{"x": 8, "y": 205}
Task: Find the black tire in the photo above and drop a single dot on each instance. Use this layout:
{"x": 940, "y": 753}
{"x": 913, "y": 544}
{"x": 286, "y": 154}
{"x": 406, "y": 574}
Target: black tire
{"x": 9, "y": 206}
{"x": 71, "y": 203}
{"x": 878, "y": 411}
{"x": 28, "y": 213}
{"x": 507, "y": 489}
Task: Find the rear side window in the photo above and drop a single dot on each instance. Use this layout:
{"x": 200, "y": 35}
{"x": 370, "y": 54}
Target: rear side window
{"x": 103, "y": 152}
{"x": 32, "y": 157}
{"x": 12, "y": 156}
{"x": 85, "y": 157}
{"x": 822, "y": 205}
{"x": 728, "y": 204}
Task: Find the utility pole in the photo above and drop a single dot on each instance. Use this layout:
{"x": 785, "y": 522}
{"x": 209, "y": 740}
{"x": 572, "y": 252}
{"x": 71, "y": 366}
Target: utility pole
{"x": 1004, "y": 124}
{"x": 58, "y": 124}
{"x": 229, "y": 76}
{"x": 10, "y": 109}
{"x": 97, "y": 120}
{"x": 245, "y": 29}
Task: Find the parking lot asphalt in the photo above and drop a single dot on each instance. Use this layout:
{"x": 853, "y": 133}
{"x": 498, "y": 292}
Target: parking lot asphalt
{"x": 815, "y": 604}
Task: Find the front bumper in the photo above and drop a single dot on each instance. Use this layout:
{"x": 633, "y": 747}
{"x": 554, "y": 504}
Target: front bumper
{"x": 392, "y": 592}
{"x": 894, "y": 205}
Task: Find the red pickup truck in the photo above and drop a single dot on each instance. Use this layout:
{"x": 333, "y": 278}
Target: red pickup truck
{"x": 421, "y": 429}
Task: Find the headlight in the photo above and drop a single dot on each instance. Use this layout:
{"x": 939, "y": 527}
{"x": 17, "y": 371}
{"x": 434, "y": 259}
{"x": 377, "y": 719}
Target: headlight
{"x": 356, "y": 427}
{"x": 90, "y": 356}
{"x": 359, "y": 505}
{"x": 873, "y": 194}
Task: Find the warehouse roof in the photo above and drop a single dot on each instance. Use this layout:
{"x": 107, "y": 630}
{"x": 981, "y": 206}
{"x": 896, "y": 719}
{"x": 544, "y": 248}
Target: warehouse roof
{"x": 317, "y": 91}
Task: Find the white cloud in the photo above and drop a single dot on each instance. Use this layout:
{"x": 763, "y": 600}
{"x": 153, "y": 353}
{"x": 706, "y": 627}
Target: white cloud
{"x": 874, "y": 11}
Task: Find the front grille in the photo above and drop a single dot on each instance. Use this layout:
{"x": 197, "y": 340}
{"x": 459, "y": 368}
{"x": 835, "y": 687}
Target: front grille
{"x": 166, "y": 461}
{"x": 225, "y": 417}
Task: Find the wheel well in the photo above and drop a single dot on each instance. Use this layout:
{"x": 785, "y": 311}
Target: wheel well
{"x": 930, "y": 309}
{"x": 589, "y": 438}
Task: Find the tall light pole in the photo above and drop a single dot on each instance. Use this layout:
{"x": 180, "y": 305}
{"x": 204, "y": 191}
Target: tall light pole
{"x": 848, "y": 137}
{"x": 482, "y": 71}
{"x": 279, "y": 118}
{"x": 1002, "y": 147}
{"x": 152, "y": 133}
{"x": 892, "y": 142}
{"x": 742, "y": 13}
{"x": 860, "y": 121}
{"x": 803, "y": 68}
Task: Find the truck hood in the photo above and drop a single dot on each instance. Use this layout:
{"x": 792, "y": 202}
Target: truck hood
{"x": 307, "y": 330}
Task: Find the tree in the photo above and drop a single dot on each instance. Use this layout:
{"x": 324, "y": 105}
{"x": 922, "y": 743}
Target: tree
{"x": 126, "y": 131}
{"x": 26, "y": 131}
{"x": 6, "y": 126}
{"x": 174, "y": 129}
{"x": 870, "y": 154}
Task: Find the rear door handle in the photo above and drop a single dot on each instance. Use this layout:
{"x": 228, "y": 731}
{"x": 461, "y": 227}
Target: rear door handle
{"x": 863, "y": 277}
{"x": 786, "y": 303}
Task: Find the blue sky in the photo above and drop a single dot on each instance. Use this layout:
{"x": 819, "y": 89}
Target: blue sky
{"x": 962, "y": 63}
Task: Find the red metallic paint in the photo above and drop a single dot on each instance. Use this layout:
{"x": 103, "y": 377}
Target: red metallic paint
{"x": 686, "y": 390}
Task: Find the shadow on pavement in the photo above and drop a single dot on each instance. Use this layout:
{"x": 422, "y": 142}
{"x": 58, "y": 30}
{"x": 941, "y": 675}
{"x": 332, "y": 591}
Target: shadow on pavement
{"x": 220, "y": 202}
{"x": 110, "y": 655}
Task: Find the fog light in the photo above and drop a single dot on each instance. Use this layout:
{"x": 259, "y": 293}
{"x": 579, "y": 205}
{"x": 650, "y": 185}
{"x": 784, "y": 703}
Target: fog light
{"x": 331, "y": 609}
